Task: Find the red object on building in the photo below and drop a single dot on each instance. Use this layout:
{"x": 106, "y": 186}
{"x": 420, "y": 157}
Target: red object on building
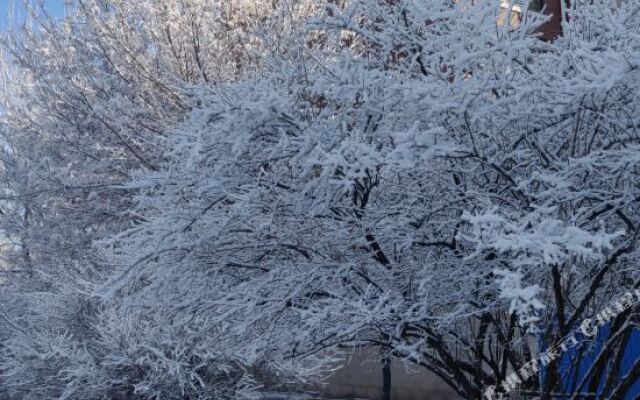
{"x": 553, "y": 27}
{"x": 514, "y": 11}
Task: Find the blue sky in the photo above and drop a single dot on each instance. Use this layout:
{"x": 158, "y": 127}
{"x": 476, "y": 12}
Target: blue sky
{"x": 9, "y": 8}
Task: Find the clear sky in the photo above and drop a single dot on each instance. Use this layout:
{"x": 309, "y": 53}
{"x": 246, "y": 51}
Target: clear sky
{"x": 13, "y": 9}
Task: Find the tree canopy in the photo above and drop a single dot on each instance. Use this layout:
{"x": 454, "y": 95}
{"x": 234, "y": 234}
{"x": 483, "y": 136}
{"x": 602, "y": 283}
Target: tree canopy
{"x": 204, "y": 199}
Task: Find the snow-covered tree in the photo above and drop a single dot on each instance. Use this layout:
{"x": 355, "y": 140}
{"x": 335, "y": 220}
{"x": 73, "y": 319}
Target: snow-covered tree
{"x": 410, "y": 175}
{"x": 86, "y": 103}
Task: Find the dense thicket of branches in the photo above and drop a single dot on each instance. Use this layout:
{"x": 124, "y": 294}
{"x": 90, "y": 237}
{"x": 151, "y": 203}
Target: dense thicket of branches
{"x": 205, "y": 198}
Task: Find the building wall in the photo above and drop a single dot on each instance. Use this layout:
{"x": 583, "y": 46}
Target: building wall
{"x": 552, "y": 28}
{"x": 361, "y": 378}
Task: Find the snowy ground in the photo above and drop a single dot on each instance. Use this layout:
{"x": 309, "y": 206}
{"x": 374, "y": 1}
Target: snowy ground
{"x": 299, "y": 396}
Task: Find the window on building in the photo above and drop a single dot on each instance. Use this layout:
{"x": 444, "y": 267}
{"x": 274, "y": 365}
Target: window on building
{"x": 511, "y": 10}
{"x": 536, "y": 5}
{"x": 519, "y": 5}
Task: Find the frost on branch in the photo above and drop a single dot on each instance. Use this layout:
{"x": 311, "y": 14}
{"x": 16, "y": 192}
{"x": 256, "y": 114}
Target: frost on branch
{"x": 524, "y": 301}
{"x": 537, "y": 239}
{"x": 206, "y": 198}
